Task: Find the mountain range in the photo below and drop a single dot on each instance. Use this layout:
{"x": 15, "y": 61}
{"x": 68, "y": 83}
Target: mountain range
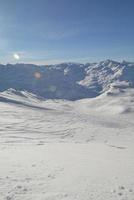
{"x": 66, "y": 131}
{"x": 70, "y": 81}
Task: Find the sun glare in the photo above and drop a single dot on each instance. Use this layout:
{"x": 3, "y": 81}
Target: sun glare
{"x": 16, "y": 56}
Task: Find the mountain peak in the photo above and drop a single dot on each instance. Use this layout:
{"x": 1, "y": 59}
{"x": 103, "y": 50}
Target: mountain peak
{"x": 66, "y": 80}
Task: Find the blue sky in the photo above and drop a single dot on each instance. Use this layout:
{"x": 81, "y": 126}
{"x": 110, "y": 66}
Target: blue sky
{"x": 54, "y": 31}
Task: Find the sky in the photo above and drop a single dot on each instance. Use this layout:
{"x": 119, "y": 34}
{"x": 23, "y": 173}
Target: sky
{"x": 55, "y": 31}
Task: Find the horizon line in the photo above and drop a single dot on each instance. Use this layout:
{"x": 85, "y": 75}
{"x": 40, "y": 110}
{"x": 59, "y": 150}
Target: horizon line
{"x": 64, "y": 62}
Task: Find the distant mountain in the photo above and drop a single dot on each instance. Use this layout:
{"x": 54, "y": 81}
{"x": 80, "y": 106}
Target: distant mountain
{"x": 69, "y": 81}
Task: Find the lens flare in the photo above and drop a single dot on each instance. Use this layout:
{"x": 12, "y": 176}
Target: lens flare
{"x": 37, "y": 75}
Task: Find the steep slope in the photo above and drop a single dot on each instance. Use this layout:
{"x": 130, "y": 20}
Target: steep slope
{"x": 70, "y": 81}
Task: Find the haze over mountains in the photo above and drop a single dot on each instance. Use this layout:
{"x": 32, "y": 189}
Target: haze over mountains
{"x": 71, "y": 81}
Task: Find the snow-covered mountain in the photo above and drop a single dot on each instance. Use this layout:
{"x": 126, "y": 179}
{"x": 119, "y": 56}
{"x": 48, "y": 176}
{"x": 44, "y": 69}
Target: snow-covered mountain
{"x": 57, "y": 149}
{"x": 69, "y": 81}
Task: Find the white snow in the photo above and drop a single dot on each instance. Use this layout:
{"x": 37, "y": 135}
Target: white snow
{"x": 66, "y": 171}
{"x": 64, "y": 150}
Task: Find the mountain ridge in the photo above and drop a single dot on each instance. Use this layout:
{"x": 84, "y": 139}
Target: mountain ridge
{"x": 71, "y": 81}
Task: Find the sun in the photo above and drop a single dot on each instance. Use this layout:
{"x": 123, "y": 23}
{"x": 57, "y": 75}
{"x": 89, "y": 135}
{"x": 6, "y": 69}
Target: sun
{"x": 16, "y": 56}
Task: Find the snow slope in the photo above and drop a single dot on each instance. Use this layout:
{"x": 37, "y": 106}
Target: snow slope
{"x": 34, "y": 118}
{"x": 67, "y": 150}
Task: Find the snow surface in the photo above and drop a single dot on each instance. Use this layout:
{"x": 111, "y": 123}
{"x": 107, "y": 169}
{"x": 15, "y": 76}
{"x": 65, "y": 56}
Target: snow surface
{"x": 67, "y": 150}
